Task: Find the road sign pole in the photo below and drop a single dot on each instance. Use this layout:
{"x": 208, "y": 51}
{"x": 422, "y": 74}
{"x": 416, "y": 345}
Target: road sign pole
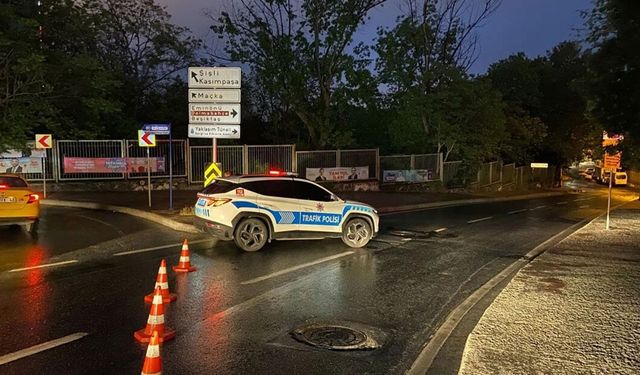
{"x": 214, "y": 151}
{"x": 44, "y": 177}
{"x": 149, "y": 176}
{"x": 609, "y": 200}
{"x": 170, "y": 171}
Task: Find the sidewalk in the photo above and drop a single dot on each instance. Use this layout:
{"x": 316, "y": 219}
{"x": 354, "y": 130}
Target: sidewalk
{"x": 573, "y": 310}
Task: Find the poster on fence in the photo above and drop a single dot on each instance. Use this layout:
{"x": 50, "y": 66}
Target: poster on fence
{"x": 112, "y": 165}
{"x": 337, "y": 174}
{"x": 21, "y": 165}
{"x": 412, "y": 175}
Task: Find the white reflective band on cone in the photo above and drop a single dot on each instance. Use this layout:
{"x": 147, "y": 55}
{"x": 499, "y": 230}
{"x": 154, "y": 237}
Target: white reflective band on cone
{"x": 157, "y": 300}
{"x": 184, "y": 259}
{"x": 156, "y": 319}
{"x": 163, "y": 285}
{"x": 153, "y": 351}
{"x": 162, "y": 270}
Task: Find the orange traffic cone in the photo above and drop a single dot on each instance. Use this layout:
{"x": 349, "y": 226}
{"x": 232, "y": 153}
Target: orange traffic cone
{"x": 152, "y": 360}
{"x": 162, "y": 281}
{"x": 155, "y": 323}
{"x": 185, "y": 261}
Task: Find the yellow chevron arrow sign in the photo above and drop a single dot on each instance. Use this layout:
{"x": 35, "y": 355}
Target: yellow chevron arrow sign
{"x": 213, "y": 171}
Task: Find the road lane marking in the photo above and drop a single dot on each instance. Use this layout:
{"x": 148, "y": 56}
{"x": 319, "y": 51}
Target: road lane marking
{"x": 538, "y": 208}
{"x": 158, "y": 248}
{"x": 479, "y": 220}
{"x": 43, "y": 266}
{"x": 517, "y": 211}
{"x": 561, "y": 203}
{"x": 296, "y": 268}
{"x": 440, "y": 230}
{"x": 584, "y": 206}
{"x": 41, "y": 347}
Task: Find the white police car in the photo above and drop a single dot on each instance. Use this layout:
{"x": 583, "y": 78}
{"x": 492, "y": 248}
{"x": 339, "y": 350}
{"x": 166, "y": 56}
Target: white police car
{"x": 253, "y": 210}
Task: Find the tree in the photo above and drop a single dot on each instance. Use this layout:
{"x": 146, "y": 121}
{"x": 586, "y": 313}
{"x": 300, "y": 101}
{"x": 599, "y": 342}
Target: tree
{"x": 546, "y": 105}
{"x": 518, "y": 78}
{"x": 22, "y": 85}
{"x": 299, "y": 56}
{"x": 422, "y": 61}
{"x": 137, "y": 43}
{"x": 615, "y": 68}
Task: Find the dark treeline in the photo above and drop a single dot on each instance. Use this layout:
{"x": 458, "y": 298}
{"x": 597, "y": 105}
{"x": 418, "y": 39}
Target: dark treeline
{"x": 99, "y": 68}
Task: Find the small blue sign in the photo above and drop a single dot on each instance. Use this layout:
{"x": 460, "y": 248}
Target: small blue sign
{"x": 158, "y": 129}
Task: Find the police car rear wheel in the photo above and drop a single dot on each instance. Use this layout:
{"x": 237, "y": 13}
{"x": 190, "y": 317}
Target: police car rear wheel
{"x": 251, "y": 234}
{"x": 356, "y": 233}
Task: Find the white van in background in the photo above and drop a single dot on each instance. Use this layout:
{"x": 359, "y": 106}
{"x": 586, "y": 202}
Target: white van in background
{"x": 620, "y": 178}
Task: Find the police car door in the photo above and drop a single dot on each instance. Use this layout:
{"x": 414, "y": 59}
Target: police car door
{"x": 320, "y": 212}
{"x": 277, "y": 199}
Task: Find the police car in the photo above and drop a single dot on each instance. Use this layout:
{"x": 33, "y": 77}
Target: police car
{"x": 253, "y": 210}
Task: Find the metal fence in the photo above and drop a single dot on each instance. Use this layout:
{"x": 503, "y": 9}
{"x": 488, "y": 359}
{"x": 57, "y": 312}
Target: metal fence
{"x": 450, "y": 171}
{"x": 431, "y": 162}
{"x": 339, "y": 158}
{"x": 509, "y": 174}
{"x": 260, "y": 159}
{"x": 247, "y": 159}
{"x": 88, "y": 149}
{"x": 178, "y": 152}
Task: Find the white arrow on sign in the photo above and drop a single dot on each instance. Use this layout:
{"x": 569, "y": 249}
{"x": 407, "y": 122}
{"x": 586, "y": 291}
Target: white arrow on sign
{"x": 214, "y": 131}
{"x": 215, "y": 78}
{"x": 214, "y": 95}
{"x": 204, "y": 113}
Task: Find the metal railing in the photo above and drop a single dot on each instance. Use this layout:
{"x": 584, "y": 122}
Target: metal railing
{"x": 179, "y": 167}
{"x": 339, "y": 159}
{"x": 88, "y": 149}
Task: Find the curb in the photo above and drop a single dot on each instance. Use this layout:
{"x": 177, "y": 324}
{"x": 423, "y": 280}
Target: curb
{"x": 464, "y": 202}
{"x": 158, "y": 219}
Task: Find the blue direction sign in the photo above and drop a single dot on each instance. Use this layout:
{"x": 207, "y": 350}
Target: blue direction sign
{"x": 158, "y": 129}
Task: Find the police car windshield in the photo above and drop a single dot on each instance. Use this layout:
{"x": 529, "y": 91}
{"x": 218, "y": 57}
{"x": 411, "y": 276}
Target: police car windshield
{"x": 219, "y": 187}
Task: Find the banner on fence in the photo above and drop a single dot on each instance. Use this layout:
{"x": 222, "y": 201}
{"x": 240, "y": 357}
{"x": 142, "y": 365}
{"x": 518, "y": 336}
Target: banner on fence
{"x": 337, "y": 174}
{"x": 412, "y": 175}
{"x": 112, "y": 165}
{"x": 21, "y": 165}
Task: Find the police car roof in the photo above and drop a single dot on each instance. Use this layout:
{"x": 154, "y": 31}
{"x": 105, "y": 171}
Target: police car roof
{"x": 257, "y": 177}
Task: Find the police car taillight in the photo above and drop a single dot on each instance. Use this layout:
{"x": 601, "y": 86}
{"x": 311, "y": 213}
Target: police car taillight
{"x": 216, "y": 202}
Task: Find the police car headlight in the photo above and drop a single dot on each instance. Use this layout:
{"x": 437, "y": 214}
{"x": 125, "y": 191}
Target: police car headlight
{"x": 375, "y": 211}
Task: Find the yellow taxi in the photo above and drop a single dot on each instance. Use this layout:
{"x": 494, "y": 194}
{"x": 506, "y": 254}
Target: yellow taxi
{"x": 19, "y": 205}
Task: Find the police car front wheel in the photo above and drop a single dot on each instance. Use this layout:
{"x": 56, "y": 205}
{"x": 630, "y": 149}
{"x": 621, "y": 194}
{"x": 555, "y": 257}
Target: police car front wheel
{"x": 356, "y": 233}
{"x": 251, "y": 234}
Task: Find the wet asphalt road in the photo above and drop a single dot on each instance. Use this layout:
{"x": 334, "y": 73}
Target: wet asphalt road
{"x": 235, "y": 313}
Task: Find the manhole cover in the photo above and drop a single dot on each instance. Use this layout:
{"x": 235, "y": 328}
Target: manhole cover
{"x": 334, "y": 337}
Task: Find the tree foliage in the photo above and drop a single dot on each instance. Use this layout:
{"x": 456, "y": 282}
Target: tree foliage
{"x": 615, "y": 68}
{"x": 298, "y": 52}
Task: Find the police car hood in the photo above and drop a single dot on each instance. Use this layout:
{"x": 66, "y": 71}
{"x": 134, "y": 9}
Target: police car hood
{"x": 356, "y": 203}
